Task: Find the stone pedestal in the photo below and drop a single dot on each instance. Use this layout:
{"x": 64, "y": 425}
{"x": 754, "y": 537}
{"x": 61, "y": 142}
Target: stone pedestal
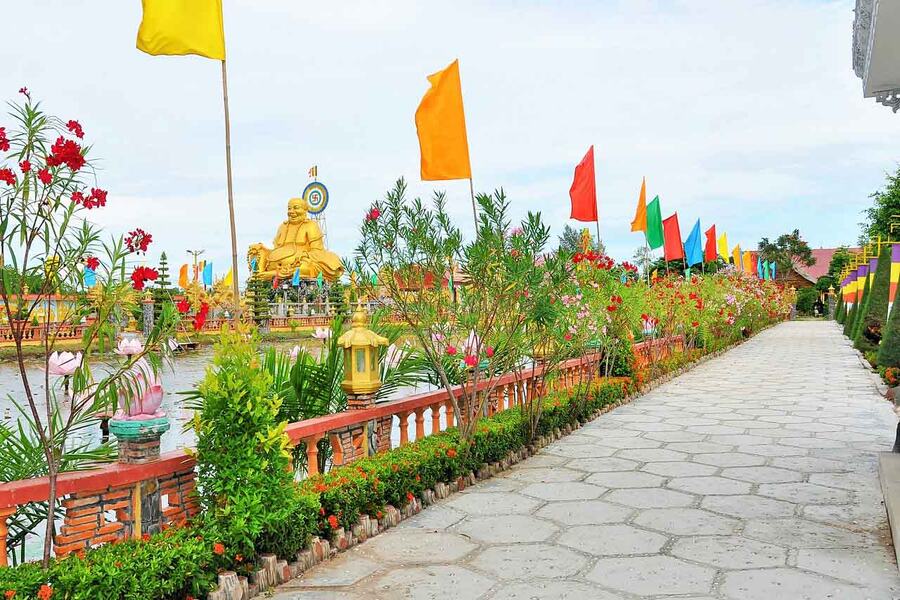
{"x": 138, "y": 441}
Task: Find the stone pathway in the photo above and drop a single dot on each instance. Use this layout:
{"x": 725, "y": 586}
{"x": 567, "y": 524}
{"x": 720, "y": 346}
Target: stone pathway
{"x": 753, "y": 476}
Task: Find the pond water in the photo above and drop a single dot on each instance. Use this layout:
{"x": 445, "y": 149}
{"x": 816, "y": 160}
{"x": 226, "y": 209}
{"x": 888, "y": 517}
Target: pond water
{"x": 183, "y": 373}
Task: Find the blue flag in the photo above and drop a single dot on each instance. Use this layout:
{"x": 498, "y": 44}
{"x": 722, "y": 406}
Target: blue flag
{"x": 693, "y": 247}
{"x": 90, "y": 277}
{"x": 253, "y": 265}
{"x": 759, "y": 269}
{"x": 207, "y": 274}
{"x": 296, "y": 281}
{"x": 772, "y": 269}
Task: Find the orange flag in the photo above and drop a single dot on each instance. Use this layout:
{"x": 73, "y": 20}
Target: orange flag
{"x": 640, "y": 215}
{"x": 183, "y": 276}
{"x": 441, "y": 125}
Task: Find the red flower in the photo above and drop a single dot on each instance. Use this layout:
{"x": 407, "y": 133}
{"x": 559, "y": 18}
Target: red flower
{"x": 92, "y": 262}
{"x": 409, "y": 496}
{"x": 10, "y": 594}
{"x": 577, "y": 257}
{"x": 451, "y": 350}
{"x": 65, "y": 152}
{"x": 451, "y": 453}
{"x": 97, "y": 198}
{"x": 489, "y": 352}
{"x": 373, "y": 214}
{"x": 138, "y": 240}
{"x": 45, "y": 593}
{"x": 611, "y": 308}
{"x": 333, "y": 522}
{"x": 77, "y": 197}
{"x": 7, "y": 176}
{"x": 379, "y": 514}
{"x": 75, "y": 127}
{"x": 45, "y": 177}
{"x": 4, "y": 143}
{"x": 183, "y": 306}
{"x": 218, "y": 549}
{"x": 567, "y": 337}
{"x": 695, "y": 324}
{"x": 24, "y": 91}
{"x": 141, "y": 275}
{"x": 25, "y": 166}
{"x": 470, "y": 360}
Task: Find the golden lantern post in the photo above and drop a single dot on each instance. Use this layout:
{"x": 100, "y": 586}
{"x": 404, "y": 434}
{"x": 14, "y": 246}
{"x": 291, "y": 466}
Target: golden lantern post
{"x": 362, "y": 376}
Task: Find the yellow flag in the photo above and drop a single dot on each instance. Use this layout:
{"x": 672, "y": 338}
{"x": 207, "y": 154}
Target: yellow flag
{"x": 228, "y": 278}
{"x": 182, "y": 27}
{"x": 183, "y": 277}
{"x": 738, "y": 262}
{"x": 723, "y": 246}
{"x": 640, "y": 214}
{"x": 441, "y": 125}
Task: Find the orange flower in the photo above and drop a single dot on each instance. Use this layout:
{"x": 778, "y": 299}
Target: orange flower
{"x": 10, "y": 594}
{"x": 238, "y": 557}
{"x": 409, "y": 496}
{"x": 218, "y": 548}
{"x": 45, "y": 593}
{"x": 451, "y": 453}
{"x": 146, "y": 537}
{"x": 333, "y": 522}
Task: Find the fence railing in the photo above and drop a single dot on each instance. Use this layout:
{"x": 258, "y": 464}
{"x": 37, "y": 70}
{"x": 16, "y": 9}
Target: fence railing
{"x": 119, "y": 500}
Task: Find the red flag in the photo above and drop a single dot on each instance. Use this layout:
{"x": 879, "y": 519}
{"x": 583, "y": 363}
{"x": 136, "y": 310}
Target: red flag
{"x": 275, "y": 282}
{"x": 673, "y": 249}
{"x": 584, "y": 190}
{"x": 709, "y": 253}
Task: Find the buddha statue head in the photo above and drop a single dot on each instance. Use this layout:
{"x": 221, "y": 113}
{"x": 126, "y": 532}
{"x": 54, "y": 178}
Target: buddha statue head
{"x": 297, "y": 209}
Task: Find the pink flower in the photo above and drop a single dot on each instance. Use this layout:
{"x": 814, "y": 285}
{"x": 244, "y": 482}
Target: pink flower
{"x": 451, "y": 350}
{"x": 471, "y": 360}
{"x": 63, "y": 364}
{"x": 489, "y": 352}
{"x": 129, "y": 347}
{"x": 322, "y": 333}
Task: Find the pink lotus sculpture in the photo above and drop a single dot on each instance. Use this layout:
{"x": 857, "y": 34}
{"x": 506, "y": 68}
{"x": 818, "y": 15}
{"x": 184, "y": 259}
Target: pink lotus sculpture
{"x": 63, "y": 364}
{"x": 143, "y": 401}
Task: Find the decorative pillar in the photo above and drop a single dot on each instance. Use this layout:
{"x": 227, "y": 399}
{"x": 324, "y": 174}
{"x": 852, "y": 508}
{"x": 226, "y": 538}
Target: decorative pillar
{"x": 147, "y": 306}
{"x": 362, "y": 380}
{"x": 831, "y": 303}
{"x": 5, "y": 514}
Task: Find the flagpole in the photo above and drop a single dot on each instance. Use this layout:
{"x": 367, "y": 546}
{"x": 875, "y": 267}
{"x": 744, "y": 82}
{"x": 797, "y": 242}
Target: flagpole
{"x": 474, "y": 210}
{"x": 234, "y": 262}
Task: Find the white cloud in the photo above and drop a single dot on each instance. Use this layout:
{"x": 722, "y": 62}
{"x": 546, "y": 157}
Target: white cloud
{"x": 743, "y": 112}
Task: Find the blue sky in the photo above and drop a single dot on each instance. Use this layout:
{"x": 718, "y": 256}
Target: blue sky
{"x": 743, "y": 113}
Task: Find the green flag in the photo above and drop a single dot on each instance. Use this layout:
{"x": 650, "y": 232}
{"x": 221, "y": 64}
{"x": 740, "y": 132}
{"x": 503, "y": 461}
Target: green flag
{"x": 319, "y": 280}
{"x": 687, "y": 273}
{"x": 654, "y": 224}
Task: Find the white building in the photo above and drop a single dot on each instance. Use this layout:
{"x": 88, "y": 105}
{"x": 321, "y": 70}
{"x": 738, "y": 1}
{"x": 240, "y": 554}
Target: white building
{"x": 876, "y": 49}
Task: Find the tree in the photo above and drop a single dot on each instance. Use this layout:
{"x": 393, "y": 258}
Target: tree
{"x": 162, "y": 290}
{"x": 570, "y": 241}
{"x": 786, "y": 251}
{"x": 863, "y": 308}
{"x": 885, "y": 209}
{"x": 874, "y": 318}
{"x": 889, "y": 348}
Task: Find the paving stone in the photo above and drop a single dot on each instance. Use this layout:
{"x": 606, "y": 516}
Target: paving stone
{"x": 730, "y": 459}
{"x": 709, "y": 486}
{"x": 431, "y": 582}
{"x": 342, "y": 571}
{"x": 651, "y": 455}
{"x": 630, "y": 442}
{"x": 580, "y": 450}
{"x": 762, "y": 474}
{"x": 805, "y": 493}
{"x": 772, "y": 450}
{"x": 648, "y": 575}
{"x": 730, "y": 552}
{"x": 436, "y": 517}
{"x": 801, "y": 533}
{"x": 748, "y": 507}
{"x": 768, "y": 584}
{"x": 571, "y": 490}
{"x": 612, "y": 540}
{"x": 524, "y": 561}
{"x": 584, "y": 512}
{"x": 496, "y": 503}
{"x": 415, "y": 546}
{"x": 596, "y": 465}
{"x": 540, "y": 461}
{"x": 650, "y": 498}
{"x": 863, "y": 567}
{"x": 625, "y": 479}
{"x": 553, "y": 590}
{"x": 543, "y": 475}
{"x": 506, "y": 529}
{"x": 678, "y": 469}
{"x": 294, "y": 594}
{"x": 675, "y": 436}
{"x": 686, "y": 521}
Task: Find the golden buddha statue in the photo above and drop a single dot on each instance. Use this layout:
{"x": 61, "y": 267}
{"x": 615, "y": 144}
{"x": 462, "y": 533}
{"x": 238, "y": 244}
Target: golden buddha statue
{"x": 297, "y": 245}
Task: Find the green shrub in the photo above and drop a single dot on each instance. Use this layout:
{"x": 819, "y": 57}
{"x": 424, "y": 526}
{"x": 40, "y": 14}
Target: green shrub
{"x": 889, "y": 348}
{"x": 244, "y": 482}
{"x": 806, "y": 300}
{"x": 861, "y": 312}
{"x": 872, "y": 321}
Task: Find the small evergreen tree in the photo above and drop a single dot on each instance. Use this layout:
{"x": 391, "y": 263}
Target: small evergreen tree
{"x": 840, "y": 310}
{"x": 863, "y": 308}
{"x": 851, "y": 316}
{"x": 889, "y": 348}
{"x": 162, "y": 291}
{"x": 872, "y": 321}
